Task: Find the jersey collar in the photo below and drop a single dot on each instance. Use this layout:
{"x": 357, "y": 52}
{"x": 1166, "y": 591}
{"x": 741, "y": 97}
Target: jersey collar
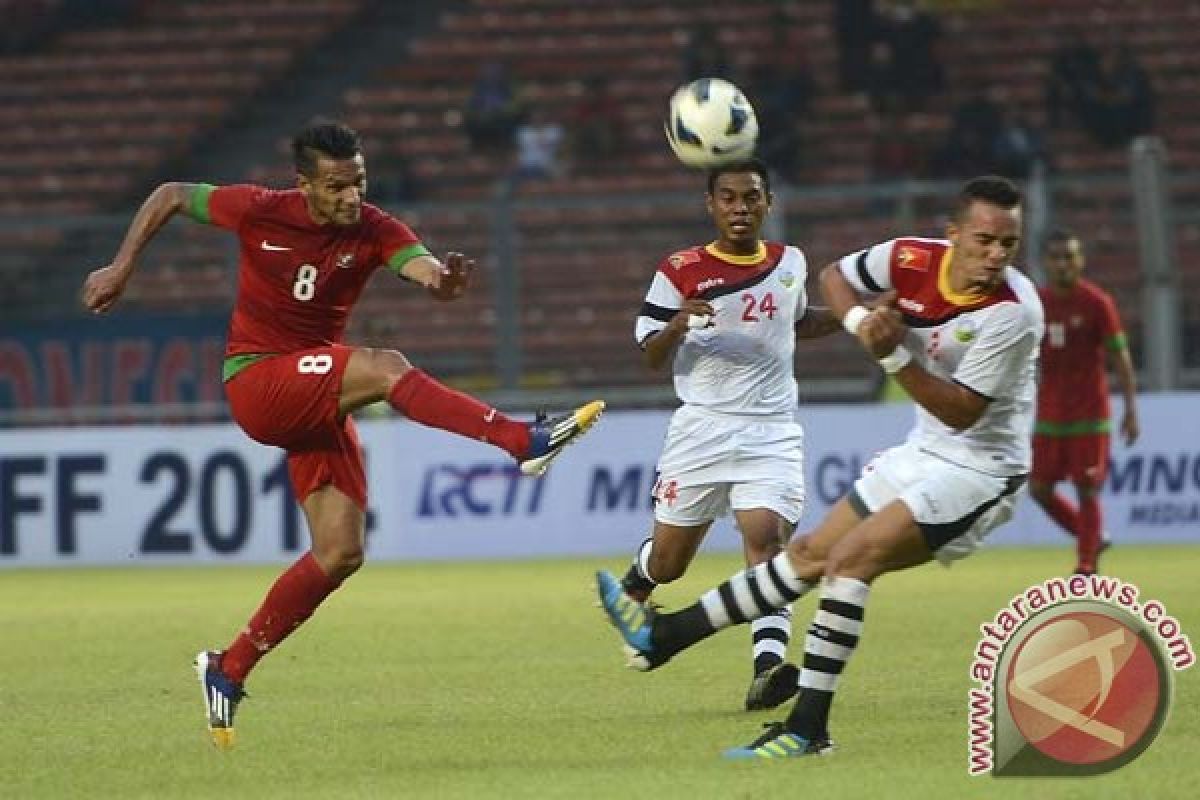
{"x": 759, "y": 256}
{"x": 956, "y": 298}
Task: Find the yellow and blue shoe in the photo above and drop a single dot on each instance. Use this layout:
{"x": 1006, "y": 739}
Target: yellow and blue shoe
{"x": 633, "y": 620}
{"x": 549, "y": 435}
{"x": 221, "y": 698}
{"x": 778, "y": 742}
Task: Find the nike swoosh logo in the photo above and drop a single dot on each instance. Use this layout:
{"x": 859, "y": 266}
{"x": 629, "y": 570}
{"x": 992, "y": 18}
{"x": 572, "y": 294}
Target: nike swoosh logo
{"x": 268, "y": 246}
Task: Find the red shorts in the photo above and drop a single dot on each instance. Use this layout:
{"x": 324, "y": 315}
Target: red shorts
{"x": 291, "y": 401}
{"x": 1079, "y": 459}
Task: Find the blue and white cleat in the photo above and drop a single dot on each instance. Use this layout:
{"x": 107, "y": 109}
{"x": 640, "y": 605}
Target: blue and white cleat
{"x": 221, "y": 698}
{"x": 778, "y": 742}
{"x": 549, "y": 435}
{"x": 633, "y": 620}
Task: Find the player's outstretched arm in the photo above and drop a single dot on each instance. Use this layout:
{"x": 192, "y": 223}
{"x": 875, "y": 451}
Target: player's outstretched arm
{"x": 445, "y": 281}
{"x": 103, "y": 287}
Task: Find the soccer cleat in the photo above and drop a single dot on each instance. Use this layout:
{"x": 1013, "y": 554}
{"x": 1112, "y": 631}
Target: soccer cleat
{"x": 548, "y": 436}
{"x": 771, "y": 687}
{"x": 221, "y": 698}
{"x": 778, "y": 742}
{"x": 632, "y": 620}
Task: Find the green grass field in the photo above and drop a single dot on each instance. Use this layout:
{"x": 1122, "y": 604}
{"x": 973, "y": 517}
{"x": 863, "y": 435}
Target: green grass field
{"x": 503, "y": 681}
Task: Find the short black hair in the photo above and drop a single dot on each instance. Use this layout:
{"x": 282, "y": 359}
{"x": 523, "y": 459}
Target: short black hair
{"x": 1059, "y": 236}
{"x": 748, "y": 165}
{"x": 993, "y": 189}
{"x": 323, "y": 137}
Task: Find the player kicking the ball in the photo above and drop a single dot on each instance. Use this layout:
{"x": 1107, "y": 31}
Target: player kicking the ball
{"x": 306, "y": 254}
{"x": 961, "y": 335}
{"x": 726, "y": 316}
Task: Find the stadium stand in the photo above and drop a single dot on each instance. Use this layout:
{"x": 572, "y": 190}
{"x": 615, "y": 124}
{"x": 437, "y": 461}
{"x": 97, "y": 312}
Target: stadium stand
{"x": 584, "y": 243}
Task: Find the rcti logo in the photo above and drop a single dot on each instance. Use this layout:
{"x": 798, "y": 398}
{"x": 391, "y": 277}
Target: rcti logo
{"x": 1072, "y": 685}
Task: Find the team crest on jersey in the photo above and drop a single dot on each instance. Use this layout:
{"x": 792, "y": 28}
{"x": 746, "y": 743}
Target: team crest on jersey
{"x": 914, "y": 258}
{"x": 682, "y": 258}
{"x": 965, "y": 331}
{"x": 787, "y": 279}
{"x": 345, "y": 260}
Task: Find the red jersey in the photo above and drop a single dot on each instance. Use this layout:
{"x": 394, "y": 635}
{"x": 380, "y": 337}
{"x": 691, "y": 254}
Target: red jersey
{"x": 1081, "y": 325}
{"x": 297, "y": 280}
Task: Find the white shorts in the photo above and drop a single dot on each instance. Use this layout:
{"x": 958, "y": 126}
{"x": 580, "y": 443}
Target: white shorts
{"x": 956, "y": 507}
{"x": 714, "y": 463}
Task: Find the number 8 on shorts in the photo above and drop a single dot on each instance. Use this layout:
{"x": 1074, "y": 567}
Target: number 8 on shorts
{"x": 317, "y": 364}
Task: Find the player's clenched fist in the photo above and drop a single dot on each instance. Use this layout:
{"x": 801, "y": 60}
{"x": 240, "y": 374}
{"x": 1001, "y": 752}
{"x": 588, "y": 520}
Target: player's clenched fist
{"x": 694, "y": 314}
{"x": 883, "y": 329}
{"x": 103, "y": 287}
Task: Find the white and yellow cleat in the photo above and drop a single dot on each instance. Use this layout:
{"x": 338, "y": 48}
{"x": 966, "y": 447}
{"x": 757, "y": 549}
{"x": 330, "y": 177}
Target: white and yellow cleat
{"x": 221, "y": 698}
{"x": 549, "y": 435}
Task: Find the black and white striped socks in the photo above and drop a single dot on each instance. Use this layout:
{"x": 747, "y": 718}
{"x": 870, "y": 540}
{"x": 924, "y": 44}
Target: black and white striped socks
{"x": 831, "y": 640}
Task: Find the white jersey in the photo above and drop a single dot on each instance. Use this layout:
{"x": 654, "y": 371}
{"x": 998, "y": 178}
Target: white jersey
{"x": 743, "y": 363}
{"x": 989, "y": 345}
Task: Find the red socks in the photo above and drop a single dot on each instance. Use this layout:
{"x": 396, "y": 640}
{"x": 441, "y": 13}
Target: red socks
{"x": 1063, "y": 513}
{"x": 291, "y": 600}
{"x": 1089, "y": 531}
{"x": 422, "y": 399}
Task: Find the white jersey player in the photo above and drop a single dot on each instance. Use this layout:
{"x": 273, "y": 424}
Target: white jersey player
{"x": 960, "y": 330}
{"x": 726, "y": 316}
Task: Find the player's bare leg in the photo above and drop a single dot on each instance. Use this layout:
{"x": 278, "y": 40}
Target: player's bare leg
{"x": 662, "y": 558}
{"x": 337, "y": 526}
{"x": 374, "y": 375}
{"x": 765, "y": 535}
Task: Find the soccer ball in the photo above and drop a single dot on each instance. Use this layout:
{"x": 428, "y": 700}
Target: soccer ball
{"x": 710, "y": 123}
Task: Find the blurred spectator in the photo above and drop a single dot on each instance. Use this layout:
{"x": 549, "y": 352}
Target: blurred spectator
{"x": 595, "y": 125}
{"x": 781, "y": 88}
{"x": 1017, "y": 146}
{"x": 914, "y": 36}
{"x": 494, "y": 109}
{"x": 968, "y": 148}
{"x": 897, "y": 150}
{"x": 704, "y": 56}
{"x": 539, "y": 141}
{"x": 880, "y": 79}
{"x": 25, "y": 23}
{"x": 1122, "y": 103}
{"x": 393, "y": 180}
{"x": 855, "y": 26}
{"x": 1074, "y": 76}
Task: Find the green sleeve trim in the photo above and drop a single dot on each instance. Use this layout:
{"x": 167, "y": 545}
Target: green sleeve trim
{"x": 197, "y": 207}
{"x": 232, "y": 365}
{"x": 1116, "y": 343}
{"x": 401, "y": 257}
{"x": 1078, "y": 428}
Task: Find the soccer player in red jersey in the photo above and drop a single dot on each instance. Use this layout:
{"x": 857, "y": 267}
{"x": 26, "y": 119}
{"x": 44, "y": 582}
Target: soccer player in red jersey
{"x": 1073, "y": 420}
{"x": 305, "y": 256}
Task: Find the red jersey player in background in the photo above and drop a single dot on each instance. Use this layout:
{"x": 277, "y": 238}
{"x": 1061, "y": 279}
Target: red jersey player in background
{"x": 305, "y": 256}
{"x": 1073, "y": 420}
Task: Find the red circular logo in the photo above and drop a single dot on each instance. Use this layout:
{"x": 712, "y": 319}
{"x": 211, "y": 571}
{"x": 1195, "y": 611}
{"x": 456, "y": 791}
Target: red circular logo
{"x": 1083, "y": 688}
